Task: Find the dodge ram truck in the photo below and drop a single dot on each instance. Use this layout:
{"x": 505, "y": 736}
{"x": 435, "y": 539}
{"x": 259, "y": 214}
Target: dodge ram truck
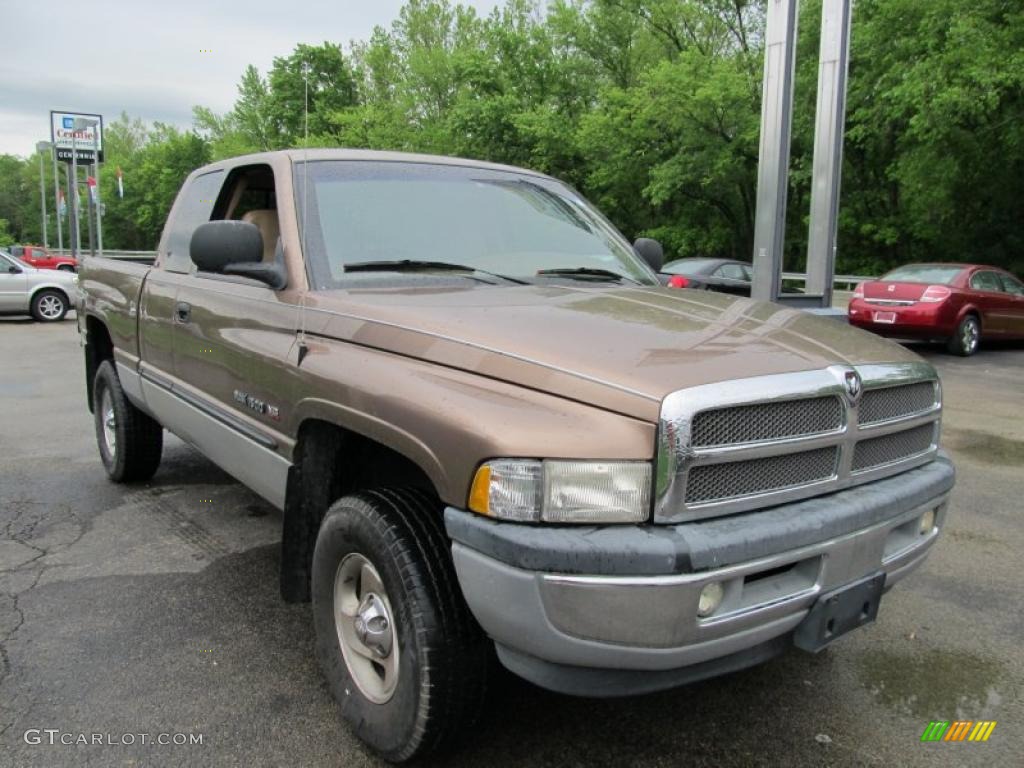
{"x": 491, "y": 433}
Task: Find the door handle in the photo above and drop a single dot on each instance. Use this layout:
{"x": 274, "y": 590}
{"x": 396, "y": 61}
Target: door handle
{"x": 182, "y": 312}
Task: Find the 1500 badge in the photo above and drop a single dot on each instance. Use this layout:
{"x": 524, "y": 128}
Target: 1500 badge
{"x": 255, "y": 404}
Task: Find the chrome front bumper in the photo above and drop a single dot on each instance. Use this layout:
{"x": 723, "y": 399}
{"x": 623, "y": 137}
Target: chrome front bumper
{"x": 648, "y": 622}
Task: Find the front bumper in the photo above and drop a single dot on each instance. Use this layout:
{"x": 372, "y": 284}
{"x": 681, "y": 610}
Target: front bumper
{"x": 613, "y": 610}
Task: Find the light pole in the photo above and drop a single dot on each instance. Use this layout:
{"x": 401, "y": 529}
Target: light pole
{"x": 76, "y": 235}
{"x": 41, "y": 147}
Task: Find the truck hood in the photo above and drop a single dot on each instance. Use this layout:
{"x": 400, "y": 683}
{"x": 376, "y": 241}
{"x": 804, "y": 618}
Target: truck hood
{"x": 619, "y": 348}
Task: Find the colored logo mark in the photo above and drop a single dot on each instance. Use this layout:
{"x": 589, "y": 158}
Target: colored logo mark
{"x": 69, "y": 122}
{"x": 958, "y": 730}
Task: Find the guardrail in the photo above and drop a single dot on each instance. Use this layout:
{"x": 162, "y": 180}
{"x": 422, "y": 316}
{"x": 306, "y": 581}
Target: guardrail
{"x": 115, "y": 254}
{"x": 846, "y": 281}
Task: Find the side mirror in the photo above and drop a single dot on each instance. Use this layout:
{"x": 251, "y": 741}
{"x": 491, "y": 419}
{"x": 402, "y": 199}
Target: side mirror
{"x": 235, "y": 248}
{"x": 650, "y": 251}
{"x": 216, "y": 244}
{"x": 13, "y": 270}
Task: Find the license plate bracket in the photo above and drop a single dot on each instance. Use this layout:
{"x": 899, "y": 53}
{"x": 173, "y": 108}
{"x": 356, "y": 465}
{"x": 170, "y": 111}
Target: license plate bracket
{"x": 885, "y": 317}
{"x": 837, "y": 612}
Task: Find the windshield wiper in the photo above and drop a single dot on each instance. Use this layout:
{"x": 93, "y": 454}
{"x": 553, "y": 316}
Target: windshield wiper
{"x": 586, "y": 272}
{"x": 412, "y": 265}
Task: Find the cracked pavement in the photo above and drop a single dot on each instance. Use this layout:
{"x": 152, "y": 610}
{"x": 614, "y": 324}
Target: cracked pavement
{"x": 153, "y": 609}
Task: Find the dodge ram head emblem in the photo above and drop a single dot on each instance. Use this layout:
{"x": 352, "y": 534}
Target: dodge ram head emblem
{"x": 853, "y": 386}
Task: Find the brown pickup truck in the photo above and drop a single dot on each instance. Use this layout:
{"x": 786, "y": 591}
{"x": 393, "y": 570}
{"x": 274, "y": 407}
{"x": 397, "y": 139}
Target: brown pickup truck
{"x": 488, "y": 427}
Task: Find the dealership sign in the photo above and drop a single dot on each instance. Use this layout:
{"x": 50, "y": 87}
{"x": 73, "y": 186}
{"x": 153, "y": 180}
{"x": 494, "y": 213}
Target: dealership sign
{"x": 81, "y": 140}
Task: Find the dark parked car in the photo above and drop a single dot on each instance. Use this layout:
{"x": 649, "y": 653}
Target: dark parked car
{"x": 723, "y": 275}
{"x": 960, "y": 304}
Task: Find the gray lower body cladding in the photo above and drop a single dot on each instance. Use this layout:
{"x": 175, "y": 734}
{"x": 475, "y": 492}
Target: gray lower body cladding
{"x": 580, "y": 609}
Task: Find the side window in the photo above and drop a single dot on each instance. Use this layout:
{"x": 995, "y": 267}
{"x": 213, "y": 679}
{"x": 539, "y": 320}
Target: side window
{"x": 192, "y": 209}
{"x": 1012, "y": 285}
{"x": 250, "y": 194}
{"x": 731, "y": 271}
{"x": 38, "y": 253}
{"x": 986, "y": 281}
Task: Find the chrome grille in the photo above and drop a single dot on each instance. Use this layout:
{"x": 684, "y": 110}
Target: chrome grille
{"x": 886, "y": 449}
{"x": 746, "y": 444}
{"x": 895, "y": 402}
{"x": 767, "y": 421}
{"x": 714, "y": 482}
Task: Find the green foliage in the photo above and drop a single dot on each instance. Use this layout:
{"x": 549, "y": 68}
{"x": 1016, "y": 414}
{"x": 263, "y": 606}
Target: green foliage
{"x": 6, "y": 238}
{"x": 650, "y": 107}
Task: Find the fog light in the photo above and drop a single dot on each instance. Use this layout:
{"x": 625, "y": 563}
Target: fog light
{"x": 927, "y": 522}
{"x": 710, "y": 599}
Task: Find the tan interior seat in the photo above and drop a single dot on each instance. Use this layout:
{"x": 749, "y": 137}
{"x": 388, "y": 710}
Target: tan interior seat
{"x": 266, "y": 220}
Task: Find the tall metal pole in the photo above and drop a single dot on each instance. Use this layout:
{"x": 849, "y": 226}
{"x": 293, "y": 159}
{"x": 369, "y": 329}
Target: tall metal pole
{"x": 56, "y": 200}
{"x": 41, "y": 147}
{"x": 773, "y": 162}
{"x": 96, "y": 170}
{"x": 76, "y": 240}
{"x": 89, "y": 207}
{"x": 828, "y": 148}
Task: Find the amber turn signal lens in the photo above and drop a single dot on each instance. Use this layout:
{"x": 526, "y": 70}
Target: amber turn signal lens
{"x": 480, "y": 493}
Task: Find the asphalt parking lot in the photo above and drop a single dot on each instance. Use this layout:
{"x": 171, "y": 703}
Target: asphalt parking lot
{"x": 154, "y": 609}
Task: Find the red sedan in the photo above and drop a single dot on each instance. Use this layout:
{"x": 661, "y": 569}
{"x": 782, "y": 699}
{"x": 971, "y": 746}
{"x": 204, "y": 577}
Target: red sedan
{"x": 40, "y": 258}
{"x": 960, "y": 304}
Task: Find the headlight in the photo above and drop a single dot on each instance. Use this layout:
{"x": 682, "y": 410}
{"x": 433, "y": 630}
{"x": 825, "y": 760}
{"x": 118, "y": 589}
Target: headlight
{"x": 554, "y": 491}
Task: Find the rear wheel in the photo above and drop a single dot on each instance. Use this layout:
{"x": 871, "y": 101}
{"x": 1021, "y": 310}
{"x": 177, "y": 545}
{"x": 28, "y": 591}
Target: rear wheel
{"x": 49, "y": 306}
{"x": 965, "y": 340}
{"x": 65, "y": 268}
{"x": 402, "y": 655}
{"x": 129, "y": 440}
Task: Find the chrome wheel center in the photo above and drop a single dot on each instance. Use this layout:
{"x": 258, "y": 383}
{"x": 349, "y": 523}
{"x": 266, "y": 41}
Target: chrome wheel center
{"x": 366, "y": 632}
{"x": 373, "y": 625}
{"x": 970, "y": 335}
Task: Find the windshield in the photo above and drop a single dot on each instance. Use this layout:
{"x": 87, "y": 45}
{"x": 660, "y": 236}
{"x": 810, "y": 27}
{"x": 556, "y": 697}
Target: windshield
{"x": 504, "y": 223}
{"x": 924, "y": 273}
{"x": 14, "y": 259}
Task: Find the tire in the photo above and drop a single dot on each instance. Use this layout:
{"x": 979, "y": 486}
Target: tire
{"x": 49, "y": 306}
{"x": 131, "y": 446}
{"x": 65, "y": 268}
{"x": 965, "y": 340}
{"x": 427, "y": 685}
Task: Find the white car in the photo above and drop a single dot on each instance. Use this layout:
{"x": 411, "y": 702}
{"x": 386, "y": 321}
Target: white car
{"x": 46, "y": 294}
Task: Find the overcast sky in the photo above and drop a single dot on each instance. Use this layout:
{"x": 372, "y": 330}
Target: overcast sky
{"x": 144, "y": 57}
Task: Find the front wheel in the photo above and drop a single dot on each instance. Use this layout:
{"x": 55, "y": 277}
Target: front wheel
{"x": 49, "y": 306}
{"x": 401, "y": 653}
{"x": 129, "y": 440}
{"x": 964, "y": 341}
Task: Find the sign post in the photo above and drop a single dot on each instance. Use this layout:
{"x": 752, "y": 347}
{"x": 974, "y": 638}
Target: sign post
{"x": 77, "y": 242}
{"x": 78, "y": 138}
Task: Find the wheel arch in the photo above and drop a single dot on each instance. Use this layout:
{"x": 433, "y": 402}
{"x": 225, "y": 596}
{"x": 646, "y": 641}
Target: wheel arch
{"x": 971, "y": 309}
{"x": 331, "y": 460}
{"x": 98, "y": 347}
{"x": 56, "y": 289}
